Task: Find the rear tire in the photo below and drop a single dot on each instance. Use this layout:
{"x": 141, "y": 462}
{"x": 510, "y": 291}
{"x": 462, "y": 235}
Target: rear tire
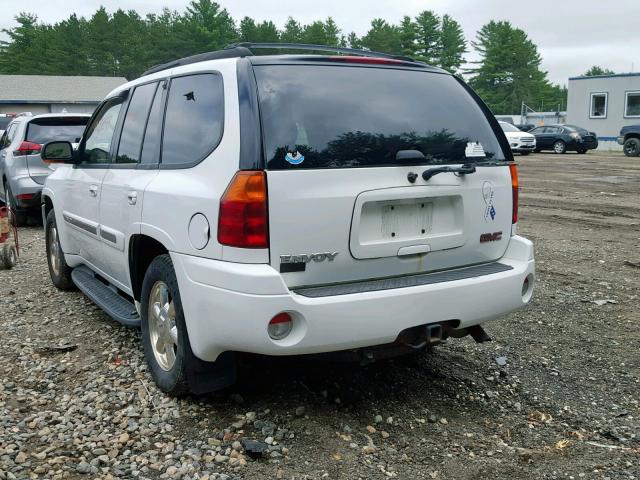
{"x": 165, "y": 339}
{"x": 59, "y": 271}
{"x": 164, "y": 334}
{"x": 19, "y": 218}
{"x": 631, "y": 147}
{"x": 559, "y": 147}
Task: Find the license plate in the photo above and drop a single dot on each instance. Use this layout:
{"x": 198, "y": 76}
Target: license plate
{"x": 406, "y": 220}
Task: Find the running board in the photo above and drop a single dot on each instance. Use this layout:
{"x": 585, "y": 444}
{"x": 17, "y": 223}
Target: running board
{"x": 106, "y": 297}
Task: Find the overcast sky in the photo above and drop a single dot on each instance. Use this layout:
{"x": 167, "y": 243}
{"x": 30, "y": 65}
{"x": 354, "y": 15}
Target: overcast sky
{"x": 572, "y": 35}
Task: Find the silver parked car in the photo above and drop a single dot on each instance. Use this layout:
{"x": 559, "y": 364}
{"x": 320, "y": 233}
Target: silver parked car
{"x": 22, "y": 170}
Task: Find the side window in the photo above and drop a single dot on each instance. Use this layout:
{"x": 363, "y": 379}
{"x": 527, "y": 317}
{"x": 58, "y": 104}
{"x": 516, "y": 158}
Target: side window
{"x": 153, "y": 132}
{"x": 100, "y": 134}
{"x": 134, "y": 123}
{"x": 194, "y": 118}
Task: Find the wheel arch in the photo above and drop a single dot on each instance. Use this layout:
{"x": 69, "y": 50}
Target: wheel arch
{"x": 142, "y": 250}
{"x": 48, "y": 205}
{"x": 632, "y": 135}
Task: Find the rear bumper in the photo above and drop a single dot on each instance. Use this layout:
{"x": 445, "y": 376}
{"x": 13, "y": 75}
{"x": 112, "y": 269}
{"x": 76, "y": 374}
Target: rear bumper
{"x": 588, "y": 145}
{"x": 227, "y": 306}
{"x": 27, "y": 193}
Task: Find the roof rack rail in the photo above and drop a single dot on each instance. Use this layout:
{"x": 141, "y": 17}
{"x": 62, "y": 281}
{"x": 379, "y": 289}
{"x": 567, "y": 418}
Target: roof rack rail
{"x": 229, "y": 52}
{"x": 319, "y": 48}
{"x": 243, "y": 49}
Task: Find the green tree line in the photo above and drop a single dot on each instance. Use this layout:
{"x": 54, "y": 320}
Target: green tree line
{"x": 124, "y": 43}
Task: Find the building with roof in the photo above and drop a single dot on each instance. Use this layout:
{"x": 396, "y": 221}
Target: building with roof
{"x": 54, "y": 93}
{"x": 604, "y": 104}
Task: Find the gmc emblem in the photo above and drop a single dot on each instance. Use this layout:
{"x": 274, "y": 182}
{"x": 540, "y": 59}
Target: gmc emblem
{"x": 490, "y": 237}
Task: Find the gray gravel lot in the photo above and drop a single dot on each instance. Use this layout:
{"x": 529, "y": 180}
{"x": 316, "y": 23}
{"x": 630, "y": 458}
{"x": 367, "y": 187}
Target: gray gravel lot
{"x": 554, "y": 396}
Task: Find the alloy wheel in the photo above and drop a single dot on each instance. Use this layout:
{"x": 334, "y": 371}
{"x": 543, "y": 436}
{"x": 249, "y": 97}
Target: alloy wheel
{"x": 54, "y": 250}
{"x": 163, "y": 331}
{"x": 558, "y": 147}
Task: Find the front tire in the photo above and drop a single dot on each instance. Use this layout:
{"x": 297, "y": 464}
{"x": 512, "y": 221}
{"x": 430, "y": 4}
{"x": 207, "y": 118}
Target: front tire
{"x": 59, "y": 271}
{"x": 559, "y": 147}
{"x": 632, "y": 147}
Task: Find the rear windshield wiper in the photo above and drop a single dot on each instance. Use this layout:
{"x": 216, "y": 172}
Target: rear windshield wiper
{"x": 464, "y": 170}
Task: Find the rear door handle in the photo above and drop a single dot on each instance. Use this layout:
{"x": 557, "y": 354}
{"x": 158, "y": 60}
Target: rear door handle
{"x": 133, "y": 197}
{"x": 93, "y": 190}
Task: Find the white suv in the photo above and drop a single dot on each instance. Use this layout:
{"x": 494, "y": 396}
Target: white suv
{"x": 286, "y": 205}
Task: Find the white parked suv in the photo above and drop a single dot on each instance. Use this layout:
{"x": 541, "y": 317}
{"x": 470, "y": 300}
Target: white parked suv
{"x": 521, "y": 142}
{"x": 286, "y": 205}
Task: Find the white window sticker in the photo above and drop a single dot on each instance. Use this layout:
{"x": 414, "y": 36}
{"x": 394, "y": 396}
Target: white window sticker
{"x": 474, "y": 149}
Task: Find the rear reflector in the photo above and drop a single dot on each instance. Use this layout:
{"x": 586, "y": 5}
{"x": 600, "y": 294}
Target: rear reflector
{"x": 28, "y": 148}
{"x": 243, "y": 219}
{"x": 24, "y": 196}
{"x": 280, "y": 326}
{"x": 514, "y": 192}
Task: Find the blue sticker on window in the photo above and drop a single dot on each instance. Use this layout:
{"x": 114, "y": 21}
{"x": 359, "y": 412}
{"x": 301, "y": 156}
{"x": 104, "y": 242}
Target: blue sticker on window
{"x": 294, "y": 158}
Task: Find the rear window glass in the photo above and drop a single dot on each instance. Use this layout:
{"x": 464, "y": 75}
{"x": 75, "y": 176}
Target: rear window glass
{"x": 45, "y": 130}
{"x": 345, "y": 117}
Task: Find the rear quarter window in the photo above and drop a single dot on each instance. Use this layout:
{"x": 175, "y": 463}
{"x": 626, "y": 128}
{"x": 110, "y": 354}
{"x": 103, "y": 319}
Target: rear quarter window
{"x": 345, "y": 117}
{"x": 194, "y": 118}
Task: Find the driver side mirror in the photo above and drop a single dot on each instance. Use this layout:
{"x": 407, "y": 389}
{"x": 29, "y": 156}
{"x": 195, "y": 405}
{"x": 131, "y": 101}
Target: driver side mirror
{"x": 58, "y": 152}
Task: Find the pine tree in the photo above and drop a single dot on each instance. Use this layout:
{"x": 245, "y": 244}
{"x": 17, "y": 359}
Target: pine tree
{"x": 205, "y": 27}
{"x": 596, "y": 70}
{"x": 332, "y": 32}
{"x": 24, "y": 52}
{"x": 292, "y": 32}
{"x": 453, "y": 45}
{"x": 248, "y": 30}
{"x": 382, "y": 37}
{"x": 509, "y": 70}
{"x": 353, "y": 41}
{"x": 428, "y": 37}
{"x": 408, "y": 36}
{"x": 321, "y": 33}
{"x": 100, "y": 41}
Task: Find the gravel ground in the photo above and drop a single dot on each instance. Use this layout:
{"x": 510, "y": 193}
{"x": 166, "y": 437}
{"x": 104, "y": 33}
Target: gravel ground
{"x": 554, "y": 396}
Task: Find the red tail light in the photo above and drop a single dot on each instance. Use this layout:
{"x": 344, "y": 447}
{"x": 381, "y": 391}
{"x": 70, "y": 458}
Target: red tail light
{"x": 370, "y": 60}
{"x": 28, "y": 148}
{"x": 243, "y": 219}
{"x": 514, "y": 192}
